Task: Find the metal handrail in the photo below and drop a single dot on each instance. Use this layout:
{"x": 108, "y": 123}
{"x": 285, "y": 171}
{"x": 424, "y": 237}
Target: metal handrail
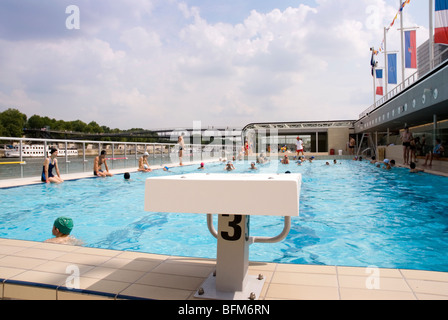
{"x": 280, "y": 237}
{"x": 392, "y": 93}
{"x": 198, "y": 152}
{"x": 88, "y": 141}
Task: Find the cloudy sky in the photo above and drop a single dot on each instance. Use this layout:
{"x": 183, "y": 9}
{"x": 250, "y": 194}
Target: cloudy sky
{"x": 167, "y": 63}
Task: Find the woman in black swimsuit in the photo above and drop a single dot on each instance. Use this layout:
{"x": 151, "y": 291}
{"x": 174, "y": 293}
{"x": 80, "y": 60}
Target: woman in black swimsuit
{"x": 47, "y": 170}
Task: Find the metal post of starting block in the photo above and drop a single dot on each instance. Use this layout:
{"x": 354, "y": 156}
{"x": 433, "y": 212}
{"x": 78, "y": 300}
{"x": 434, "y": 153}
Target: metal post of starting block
{"x": 232, "y": 252}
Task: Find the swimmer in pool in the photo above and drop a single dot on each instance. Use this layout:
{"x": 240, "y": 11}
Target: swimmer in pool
{"x": 229, "y": 166}
{"x": 202, "y": 166}
{"x": 252, "y": 166}
{"x": 98, "y": 162}
{"x": 62, "y": 227}
{"x": 388, "y": 164}
{"x": 413, "y": 168}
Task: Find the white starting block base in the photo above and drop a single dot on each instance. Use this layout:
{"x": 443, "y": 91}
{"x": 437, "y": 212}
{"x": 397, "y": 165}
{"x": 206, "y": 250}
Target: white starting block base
{"x": 253, "y": 285}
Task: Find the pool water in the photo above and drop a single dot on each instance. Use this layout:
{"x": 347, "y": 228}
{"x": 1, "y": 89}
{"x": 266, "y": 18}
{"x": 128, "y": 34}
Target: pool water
{"x": 351, "y": 214}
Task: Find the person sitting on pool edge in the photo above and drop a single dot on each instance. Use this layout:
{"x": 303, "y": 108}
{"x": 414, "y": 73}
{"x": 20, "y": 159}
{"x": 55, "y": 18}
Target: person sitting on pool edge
{"x": 436, "y": 153}
{"x": 143, "y": 165}
{"x": 47, "y": 170}
{"x": 62, "y": 227}
{"x": 98, "y": 162}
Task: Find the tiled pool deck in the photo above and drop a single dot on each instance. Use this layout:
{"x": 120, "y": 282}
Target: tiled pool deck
{"x": 35, "y": 270}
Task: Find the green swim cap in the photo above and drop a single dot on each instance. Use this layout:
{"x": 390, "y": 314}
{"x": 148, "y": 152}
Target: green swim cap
{"x": 65, "y": 225}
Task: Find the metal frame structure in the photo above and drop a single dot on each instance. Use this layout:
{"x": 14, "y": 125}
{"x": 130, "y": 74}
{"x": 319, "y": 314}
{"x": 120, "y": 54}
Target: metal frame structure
{"x": 302, "y": 125}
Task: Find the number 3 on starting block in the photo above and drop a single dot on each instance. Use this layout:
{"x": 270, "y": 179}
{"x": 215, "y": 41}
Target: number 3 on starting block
{"x": 234, "y": 223}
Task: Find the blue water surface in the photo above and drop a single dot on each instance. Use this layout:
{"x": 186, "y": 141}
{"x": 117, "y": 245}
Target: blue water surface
{"x": 351, "y": 214}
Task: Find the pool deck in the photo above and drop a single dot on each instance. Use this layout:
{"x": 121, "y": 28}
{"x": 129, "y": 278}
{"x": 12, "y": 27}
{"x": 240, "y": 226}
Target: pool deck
{"x": 42, "y": 271}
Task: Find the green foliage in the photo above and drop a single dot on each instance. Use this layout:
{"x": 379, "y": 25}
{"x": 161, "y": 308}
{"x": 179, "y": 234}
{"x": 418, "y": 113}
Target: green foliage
{"x": 12, "y": 122}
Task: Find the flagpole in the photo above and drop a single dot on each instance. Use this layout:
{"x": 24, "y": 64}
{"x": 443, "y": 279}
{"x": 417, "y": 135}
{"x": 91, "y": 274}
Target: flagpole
{"x": 374, "y": 86}
{"x": 402, "y": 42}
{"x": 431, "y": 35}
{"x": 386, "y": 67}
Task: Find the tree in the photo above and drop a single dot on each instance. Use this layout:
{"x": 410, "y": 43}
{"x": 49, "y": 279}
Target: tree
{"x": 2, "y": 131}
{"x": 78, "y": 126}
{"x": 35, "y": 122}
{"x": 94, "y": 127}
{"x": 13, "y": 122}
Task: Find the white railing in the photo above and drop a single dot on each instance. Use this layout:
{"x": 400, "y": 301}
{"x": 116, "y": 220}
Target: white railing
{"x": 392, "y": 93}
{"x": 128, "y": 153}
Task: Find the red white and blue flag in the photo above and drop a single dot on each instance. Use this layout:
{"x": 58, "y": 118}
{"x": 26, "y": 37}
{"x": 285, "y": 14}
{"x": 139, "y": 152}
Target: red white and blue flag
{"x": 441, "y": 22}
{"x": 379, "y": 82}
{"x": 411, "y": 49}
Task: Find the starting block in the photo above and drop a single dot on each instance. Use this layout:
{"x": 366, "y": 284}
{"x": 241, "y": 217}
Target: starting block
{"x": 234, "y": 197}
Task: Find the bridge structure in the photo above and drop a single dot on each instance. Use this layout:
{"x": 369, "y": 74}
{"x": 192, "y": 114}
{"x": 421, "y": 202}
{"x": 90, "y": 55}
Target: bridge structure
{"x": 157, "y": 135}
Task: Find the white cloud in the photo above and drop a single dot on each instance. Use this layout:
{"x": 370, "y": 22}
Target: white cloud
{"x": 17, "y": 97}
{"x": 160, "y": 64}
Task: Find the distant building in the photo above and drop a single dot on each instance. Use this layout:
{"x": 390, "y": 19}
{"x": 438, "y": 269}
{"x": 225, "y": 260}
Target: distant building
{"x": 440, "y": 55}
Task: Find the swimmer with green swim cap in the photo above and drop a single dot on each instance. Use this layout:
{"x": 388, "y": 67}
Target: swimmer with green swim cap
{"x": 62, "y": 227}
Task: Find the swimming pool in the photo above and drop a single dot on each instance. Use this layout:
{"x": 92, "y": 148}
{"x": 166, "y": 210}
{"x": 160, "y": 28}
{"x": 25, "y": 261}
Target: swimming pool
{"x": 351, "y": 214}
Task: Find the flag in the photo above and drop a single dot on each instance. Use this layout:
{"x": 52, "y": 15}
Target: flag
{"x": 411, "y": 49}
{"x": 379, "y": 82}
{"x": 392, "y": 68}
{"x": 441, "y": 22}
